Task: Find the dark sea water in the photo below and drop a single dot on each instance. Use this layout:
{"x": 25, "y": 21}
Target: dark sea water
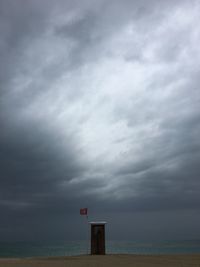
{"x": 23, "y": 249}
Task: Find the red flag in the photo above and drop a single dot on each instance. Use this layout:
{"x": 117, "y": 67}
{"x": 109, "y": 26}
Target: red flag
{"x": 83, "y": 211}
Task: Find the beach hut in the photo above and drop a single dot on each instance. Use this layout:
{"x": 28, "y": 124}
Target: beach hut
{"x": 97, "y": 238}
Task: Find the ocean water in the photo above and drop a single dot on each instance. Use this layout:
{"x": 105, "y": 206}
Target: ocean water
{"x": 23, "y": 249}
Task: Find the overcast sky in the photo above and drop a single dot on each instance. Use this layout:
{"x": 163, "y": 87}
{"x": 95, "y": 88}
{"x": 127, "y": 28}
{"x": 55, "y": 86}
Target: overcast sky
{"x": 99, "y": 108}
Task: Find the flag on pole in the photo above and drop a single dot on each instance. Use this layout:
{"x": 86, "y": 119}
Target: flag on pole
{"x": 83, "y": 211}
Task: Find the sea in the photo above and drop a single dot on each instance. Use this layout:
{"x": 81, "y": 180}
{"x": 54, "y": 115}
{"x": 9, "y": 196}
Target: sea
{"x": 72, "y": 248}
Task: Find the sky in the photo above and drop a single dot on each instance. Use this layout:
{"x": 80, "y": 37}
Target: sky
{"x": 99, "y": 108}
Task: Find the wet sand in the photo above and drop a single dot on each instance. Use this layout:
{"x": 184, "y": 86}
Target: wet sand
{"x": 107, "y": 260}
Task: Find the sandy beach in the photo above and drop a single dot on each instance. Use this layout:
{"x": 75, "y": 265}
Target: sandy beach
{"x": 107, "y": 261}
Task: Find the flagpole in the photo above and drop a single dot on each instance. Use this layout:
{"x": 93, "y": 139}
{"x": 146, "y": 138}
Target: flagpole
{"x": 84, "y": 211}
{"x": 88, "y": 233}
{"x": 87, "y": 246}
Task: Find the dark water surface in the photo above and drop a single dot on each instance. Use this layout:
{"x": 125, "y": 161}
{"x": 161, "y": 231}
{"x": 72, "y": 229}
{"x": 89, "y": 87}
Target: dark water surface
{"x": 23, "y": 249}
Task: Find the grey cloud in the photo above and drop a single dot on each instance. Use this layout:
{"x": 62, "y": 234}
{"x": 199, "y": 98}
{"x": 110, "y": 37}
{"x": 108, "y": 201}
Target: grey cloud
{"x": 31, "y": 165}
{"x": 52, "y": 85}
{"x": 80, "y": 29}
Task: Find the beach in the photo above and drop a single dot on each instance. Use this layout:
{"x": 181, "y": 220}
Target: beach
{"x": 106, "y": 261}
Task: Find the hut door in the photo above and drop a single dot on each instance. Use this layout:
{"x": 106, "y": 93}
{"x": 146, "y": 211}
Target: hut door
{"x": 98, "y": 239}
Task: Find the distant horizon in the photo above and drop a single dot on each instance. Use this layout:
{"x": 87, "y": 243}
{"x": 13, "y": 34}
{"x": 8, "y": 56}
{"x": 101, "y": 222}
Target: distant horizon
{"x": 73, "y": 248}
{"x": 51, "y": 241}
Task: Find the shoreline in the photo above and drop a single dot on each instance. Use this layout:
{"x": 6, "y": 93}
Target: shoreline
{"x": 109, "y": 260}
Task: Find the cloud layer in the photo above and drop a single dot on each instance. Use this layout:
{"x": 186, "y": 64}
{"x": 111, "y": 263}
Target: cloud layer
{"x": 99, "y": 107}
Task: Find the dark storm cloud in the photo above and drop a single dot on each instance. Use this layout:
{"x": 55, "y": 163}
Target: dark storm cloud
{"x": 33, "y": 166}
{"x": 18, "y": 26}
{"x": 33, "y": 162}
{"x": 99, "y": 107}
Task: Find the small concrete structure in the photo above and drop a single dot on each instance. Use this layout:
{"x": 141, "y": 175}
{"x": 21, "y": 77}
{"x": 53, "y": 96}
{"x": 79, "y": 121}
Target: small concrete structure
{"x": 97, "y": 238}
